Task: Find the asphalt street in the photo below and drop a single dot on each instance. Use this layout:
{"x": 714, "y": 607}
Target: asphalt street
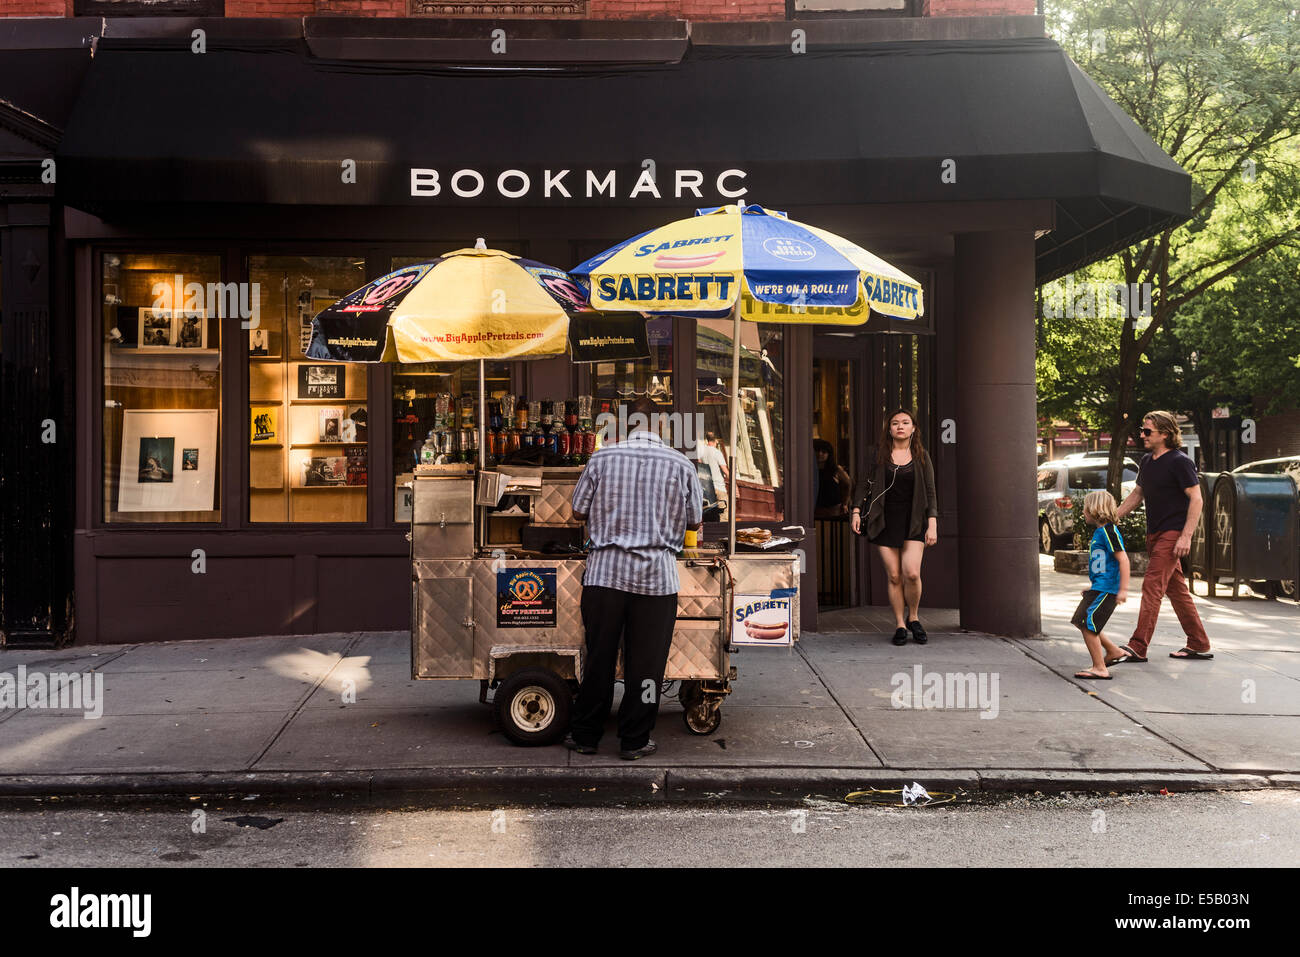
{"x": 1209, "y": 829}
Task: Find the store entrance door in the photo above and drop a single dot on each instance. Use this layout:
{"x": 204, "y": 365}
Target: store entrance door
{"x": 859, "y": 377}
{"x": 838, "y": 362}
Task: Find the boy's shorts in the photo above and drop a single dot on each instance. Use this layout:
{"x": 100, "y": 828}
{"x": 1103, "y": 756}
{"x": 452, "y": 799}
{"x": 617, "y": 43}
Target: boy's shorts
{"x": 1094, "y": 611}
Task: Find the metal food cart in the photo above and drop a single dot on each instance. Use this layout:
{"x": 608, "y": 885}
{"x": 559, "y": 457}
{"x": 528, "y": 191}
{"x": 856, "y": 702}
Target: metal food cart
{"x": 464, "y": 557}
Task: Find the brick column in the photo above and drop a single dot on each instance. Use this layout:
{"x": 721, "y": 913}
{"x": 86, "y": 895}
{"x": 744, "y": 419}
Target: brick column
{"x": 996, "y": 422}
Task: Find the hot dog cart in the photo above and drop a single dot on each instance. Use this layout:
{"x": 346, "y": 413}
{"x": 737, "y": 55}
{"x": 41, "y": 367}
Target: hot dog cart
{"x": 484, "y": 606}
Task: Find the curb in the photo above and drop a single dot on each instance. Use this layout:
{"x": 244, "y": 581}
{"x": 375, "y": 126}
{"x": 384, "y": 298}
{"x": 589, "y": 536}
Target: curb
{"x": 513, "y": 786}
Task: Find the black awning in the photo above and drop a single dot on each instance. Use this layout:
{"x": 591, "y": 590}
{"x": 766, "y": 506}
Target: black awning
{"x": 272, "y": 124}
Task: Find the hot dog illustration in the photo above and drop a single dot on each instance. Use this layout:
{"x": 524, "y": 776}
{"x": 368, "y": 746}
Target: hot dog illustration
{"x": 764, "y": 628}
{"x": 665, "y": 261}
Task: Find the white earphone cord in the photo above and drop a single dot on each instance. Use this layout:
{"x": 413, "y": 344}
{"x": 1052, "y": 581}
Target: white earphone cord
{"x": 887, "y": 488}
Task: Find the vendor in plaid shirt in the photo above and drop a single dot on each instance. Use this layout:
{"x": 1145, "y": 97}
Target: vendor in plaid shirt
{"x": 638, "y": 498}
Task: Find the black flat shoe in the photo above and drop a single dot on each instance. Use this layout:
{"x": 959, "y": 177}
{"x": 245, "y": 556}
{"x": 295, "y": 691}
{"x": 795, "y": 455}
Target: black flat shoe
{"x": 573, "y": 745}
{"x": 918, "y": 633}
{"x": 900, "y": 637}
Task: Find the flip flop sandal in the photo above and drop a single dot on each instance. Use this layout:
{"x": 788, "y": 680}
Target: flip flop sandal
{"x": 1090, "y": 676}
{"x": 1188, "y": 653}
{"x": 1127, "y": 656}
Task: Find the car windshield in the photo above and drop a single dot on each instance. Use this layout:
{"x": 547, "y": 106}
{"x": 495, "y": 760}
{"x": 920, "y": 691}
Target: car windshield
{"x": 1095, "y": 477}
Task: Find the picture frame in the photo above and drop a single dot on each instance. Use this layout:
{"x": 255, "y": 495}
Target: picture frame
{"x": 322, "y": 381}
{"x": 264, "y": 425}
{"x": 170, "y": 330}
{"x": 168, "y": 460}
{"x": 324, "y": 471}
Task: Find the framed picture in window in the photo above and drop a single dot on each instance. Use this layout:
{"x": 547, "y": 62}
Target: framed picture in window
{"x": 169, "y": 461}
{"x": 165, "y": 330}
{"x": 322, "y": 381}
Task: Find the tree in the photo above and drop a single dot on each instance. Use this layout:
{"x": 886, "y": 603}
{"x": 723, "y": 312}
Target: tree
{"x": 1217, "y": 86}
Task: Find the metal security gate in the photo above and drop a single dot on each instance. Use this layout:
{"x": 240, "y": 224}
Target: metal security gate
{"x": 36, "y": 444}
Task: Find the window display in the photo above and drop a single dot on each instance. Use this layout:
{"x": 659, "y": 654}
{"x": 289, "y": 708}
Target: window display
{"x": 162, "y": 386}
{"x": 760, "y": 444}
{"x": 618, "y": 381}
{"x": 439, "y": 402}
{"x": 308, "y": 441}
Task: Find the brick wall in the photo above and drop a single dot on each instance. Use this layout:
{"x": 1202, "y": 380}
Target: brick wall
{"x": 35, "y": 8}
{"x": 598, "y": 9}
{"x": 1275, "y": 436}
{"x": 978, "y": 8}
{"x": 279, "y": 8}
{"x": 687, "y": 9}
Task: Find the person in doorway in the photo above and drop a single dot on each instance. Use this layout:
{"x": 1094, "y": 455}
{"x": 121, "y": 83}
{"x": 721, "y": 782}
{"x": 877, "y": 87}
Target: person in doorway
{"x": 834, "y": 486}
{"x": 638, "y": 498}
{"x": 902, "y": 516}
{"x": 710, "y": 459}
{"x": 1166, "y": 482}
{"x": 1107, "y": 583}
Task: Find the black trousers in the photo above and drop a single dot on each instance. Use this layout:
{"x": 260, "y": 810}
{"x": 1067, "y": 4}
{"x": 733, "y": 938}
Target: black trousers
{"x": 645, "y": 625}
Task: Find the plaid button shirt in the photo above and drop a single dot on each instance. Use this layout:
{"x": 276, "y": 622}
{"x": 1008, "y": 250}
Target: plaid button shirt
{"x": 638, "y": 495}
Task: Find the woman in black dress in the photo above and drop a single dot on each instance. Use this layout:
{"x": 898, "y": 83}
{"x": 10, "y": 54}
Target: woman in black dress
{"x": 902, "y": 516}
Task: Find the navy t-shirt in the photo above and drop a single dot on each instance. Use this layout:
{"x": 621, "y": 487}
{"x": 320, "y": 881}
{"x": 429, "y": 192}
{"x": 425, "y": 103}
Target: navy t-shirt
{"x": 1162, "y": 481}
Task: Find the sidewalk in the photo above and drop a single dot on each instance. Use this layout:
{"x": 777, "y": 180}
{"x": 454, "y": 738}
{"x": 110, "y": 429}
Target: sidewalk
{"x": 266, "y": 715}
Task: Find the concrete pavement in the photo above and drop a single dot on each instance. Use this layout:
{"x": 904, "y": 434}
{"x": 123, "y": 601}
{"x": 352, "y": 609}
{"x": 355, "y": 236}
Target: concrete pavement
{"x": 268, "y": 715}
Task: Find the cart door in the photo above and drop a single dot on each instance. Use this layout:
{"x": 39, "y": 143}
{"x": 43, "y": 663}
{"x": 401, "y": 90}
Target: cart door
{"x": 442, "y": 632}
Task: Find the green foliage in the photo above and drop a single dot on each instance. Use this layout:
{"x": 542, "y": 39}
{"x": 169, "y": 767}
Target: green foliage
{"x": 1243, "y": 337}
{"x": 1217, "y": 87}
{"x": 1077, "y": 363}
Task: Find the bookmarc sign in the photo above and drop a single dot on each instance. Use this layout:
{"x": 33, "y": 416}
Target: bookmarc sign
{"x": 567, "y": 183}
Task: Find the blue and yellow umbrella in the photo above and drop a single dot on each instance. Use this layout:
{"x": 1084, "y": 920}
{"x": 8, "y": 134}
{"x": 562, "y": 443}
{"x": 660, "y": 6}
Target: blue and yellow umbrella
{"x": 753, "y": 264}
{"x": 779, "y": 270}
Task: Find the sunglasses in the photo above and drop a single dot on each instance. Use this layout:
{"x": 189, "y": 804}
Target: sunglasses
{"x": 1149, "y": 431}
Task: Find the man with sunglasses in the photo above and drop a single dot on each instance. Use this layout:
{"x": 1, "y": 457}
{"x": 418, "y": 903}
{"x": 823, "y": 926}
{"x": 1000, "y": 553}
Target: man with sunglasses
{"x": 1167, "y": 483}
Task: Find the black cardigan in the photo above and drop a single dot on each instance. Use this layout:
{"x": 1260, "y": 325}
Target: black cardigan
{"x": 870, "y": 496}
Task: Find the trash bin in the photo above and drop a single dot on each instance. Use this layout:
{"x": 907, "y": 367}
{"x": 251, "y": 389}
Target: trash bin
{"x": 1255, "y": 534}
{"x": 1199, "y": 559}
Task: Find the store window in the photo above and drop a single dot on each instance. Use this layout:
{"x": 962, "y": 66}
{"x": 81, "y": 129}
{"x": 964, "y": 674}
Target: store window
{"x": 760, "y": 451}
{"x": 615, "y": 382}
{"x": 437, "y": 403}
{"x": 308, "y": 421}
{"x": 162, "y": 386}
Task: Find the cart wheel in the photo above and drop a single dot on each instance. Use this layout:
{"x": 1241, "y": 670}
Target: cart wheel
{"x": 533, "y": 707}
{"x": 703, "y": 717}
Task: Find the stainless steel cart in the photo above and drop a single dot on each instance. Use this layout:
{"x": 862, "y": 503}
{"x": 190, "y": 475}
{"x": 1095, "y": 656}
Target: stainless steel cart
{"x": 457, "y": 629}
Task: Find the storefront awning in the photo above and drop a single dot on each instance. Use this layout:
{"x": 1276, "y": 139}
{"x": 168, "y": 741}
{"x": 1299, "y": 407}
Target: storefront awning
{"x": 884, "y": 123}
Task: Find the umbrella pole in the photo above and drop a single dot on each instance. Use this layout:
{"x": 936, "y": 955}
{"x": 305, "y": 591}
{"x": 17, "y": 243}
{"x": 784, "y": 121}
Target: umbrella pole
{"x": 482, "y": 416}
{"x": 732, "y": 505}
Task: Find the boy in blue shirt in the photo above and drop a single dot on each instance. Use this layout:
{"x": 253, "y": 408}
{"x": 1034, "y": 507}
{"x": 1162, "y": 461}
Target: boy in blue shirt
{"x": 1108, "y": 577}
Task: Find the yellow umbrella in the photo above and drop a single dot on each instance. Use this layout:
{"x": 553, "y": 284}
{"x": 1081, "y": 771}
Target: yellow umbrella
{"x": 470, "y": 304}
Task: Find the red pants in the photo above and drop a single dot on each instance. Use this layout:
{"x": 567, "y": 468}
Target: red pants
{"x": 1165, "y": 576}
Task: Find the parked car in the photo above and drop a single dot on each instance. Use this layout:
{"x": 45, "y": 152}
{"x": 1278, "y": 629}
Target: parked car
{"x": 1059, "y": 481}
{"x": 1287, "y": 465}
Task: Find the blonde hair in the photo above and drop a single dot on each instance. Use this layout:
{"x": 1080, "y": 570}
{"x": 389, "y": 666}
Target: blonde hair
{"x": 1166, "y": 423}
{"x": 1101, "y": 506}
